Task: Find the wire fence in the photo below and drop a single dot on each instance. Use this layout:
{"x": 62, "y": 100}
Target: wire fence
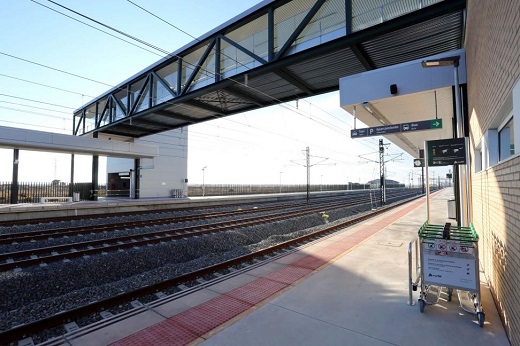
{"x": 31, "y": 192}
{"x": 232, "y": 189}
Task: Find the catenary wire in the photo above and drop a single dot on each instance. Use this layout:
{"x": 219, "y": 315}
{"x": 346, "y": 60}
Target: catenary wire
{"x": 45, "y": 85}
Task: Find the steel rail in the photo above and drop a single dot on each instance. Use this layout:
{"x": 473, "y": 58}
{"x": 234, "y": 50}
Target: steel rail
{"x": 112, "y": 244}
{"x": 11, "y": 223}
{"x": 17, "y": 237}
{"x": 7, "y": 238}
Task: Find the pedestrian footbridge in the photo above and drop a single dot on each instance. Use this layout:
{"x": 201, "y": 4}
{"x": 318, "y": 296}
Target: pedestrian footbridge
{"x": 277, "y": 51}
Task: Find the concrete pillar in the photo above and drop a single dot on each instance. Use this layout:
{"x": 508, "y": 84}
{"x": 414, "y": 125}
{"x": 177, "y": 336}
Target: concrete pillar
{"x": 14, "y": 182}
{"x": 71, "y": 186}
{"x": 95, "y": 180}
{"x": 137, "y": 177}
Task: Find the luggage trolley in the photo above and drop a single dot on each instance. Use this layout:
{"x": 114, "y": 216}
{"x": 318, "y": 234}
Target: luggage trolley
{"x": 449, "y": 259}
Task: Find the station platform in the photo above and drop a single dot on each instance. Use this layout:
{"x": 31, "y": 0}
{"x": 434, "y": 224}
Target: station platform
{"x": 110, "y": 205}
{"x": 350, "y": 288}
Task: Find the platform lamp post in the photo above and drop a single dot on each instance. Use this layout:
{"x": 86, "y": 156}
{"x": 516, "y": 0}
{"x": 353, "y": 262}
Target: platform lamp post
{"x": 203, "y": 176}
{"x": 464, "y": 204}
{"x": 281, "y": 182}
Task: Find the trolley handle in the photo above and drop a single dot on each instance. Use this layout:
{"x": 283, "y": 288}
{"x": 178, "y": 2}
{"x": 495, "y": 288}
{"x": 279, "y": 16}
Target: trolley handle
{"x": 446, "y": 231}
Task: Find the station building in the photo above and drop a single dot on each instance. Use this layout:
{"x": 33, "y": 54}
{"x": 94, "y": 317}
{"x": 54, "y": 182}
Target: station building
{"x": 493, "y": 72}
{"x": 161, "y": 176}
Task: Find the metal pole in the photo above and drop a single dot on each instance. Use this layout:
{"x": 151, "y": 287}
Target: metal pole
{"x": 422, "y": 179}
{"x": 203, "y": 185}
{"x": 463, "y": 194}
{"x": 354, "y": 114}
{"x": 382, "y": 171}
{"x": 427, "y": 182}
{"x": 307, "y": 150}
{"x": 281, "y": 182}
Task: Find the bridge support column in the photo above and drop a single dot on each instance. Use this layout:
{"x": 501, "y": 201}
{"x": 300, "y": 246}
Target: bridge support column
{"x": 95, "y": 168}
{"x": 95, "y": 172}
{"x": 137, "y": 178}
{"x": 71, "y": 186}
{"x": 14, "y": 182}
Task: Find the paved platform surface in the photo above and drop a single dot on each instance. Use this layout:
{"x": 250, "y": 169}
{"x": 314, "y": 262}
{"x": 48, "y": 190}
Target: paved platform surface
{"x": 347, "y": 289}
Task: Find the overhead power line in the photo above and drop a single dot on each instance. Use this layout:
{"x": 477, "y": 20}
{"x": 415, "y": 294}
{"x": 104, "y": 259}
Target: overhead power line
{"x": 36, "y": 113}
{"x": 23, "y": 105}
{"x": 106, "y": 26}
{"x": 163, "y": 20}
{"x": 93, "y": 27}
{"x": 55, "y": 69}
{"x": 46, "y": 103}
{"x": 45, "y": 85}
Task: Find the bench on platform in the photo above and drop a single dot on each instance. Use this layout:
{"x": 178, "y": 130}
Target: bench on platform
{"x": 55, "y": 199}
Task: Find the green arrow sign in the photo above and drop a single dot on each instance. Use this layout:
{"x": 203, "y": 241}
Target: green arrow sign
{"x": 436, "y": 124}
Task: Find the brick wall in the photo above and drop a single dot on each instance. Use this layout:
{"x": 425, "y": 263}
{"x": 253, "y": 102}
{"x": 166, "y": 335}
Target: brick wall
{"x": 493, "y": 66}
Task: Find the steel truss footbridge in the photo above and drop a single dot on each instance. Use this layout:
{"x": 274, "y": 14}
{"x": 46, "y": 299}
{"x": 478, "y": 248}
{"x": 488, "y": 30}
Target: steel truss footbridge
{"x": 277, "y": 51}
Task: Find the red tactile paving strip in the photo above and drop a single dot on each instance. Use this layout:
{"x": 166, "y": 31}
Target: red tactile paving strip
{"x": 257, "y": 291}
{"x": 187, "y": 326}
{"x": 289, "y": 274}
{"x": 211, "y": 314}
{"x": 309, "y": 262}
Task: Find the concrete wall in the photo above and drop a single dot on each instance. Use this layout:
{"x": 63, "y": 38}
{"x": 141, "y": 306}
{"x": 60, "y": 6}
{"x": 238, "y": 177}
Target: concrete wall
{"x": 493, "y": 70}
{"x": 163, "y": 173}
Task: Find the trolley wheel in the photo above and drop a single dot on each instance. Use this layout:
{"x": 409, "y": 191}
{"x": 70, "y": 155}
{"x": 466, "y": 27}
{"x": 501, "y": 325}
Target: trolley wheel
{"x": 422, "y": 304}
{"x": 481, "y": 317}
{"x": 450, "y": 294}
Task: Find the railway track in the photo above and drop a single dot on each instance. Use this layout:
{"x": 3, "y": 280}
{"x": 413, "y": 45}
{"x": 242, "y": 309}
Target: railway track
{"x": 159, "y": 217}
{"x": 45, "y": 255}
{"x": 100, "y": 217}
{"x": 62, "y": 317}
{"x": 9, "y": 238}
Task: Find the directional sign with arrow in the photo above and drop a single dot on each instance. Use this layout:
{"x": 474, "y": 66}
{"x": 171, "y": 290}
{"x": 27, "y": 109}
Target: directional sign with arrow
{"x": 394, "y": 128}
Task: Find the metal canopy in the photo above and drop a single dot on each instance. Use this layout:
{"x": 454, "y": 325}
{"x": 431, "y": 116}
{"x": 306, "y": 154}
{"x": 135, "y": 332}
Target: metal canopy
{"x": 277, "y": 52}
{"x": 427, "y": 105}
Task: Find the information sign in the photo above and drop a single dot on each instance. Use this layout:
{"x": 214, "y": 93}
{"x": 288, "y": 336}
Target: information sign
{"x": 450, "y": 263}
{"x": 444, "y": 270}
{"x": 394, "y": 128}
{"x": 446, "y": 152}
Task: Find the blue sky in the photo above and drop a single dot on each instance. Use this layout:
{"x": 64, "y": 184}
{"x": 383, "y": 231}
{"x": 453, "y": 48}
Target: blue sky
{"x": 251, "y": 148}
